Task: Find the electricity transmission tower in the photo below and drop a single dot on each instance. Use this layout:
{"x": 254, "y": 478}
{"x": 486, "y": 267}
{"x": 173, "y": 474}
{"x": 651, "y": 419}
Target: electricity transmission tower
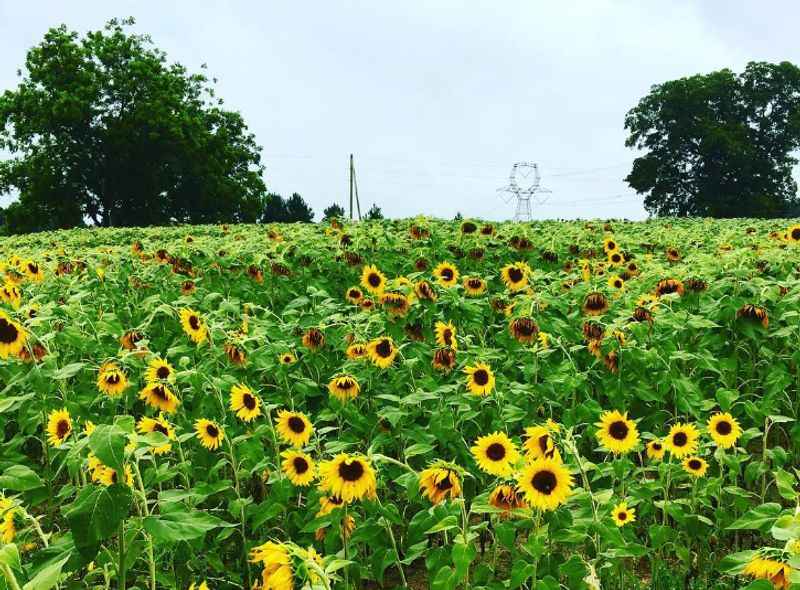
{"x": 354, "y": 189}
{"x": 524, "y": 185}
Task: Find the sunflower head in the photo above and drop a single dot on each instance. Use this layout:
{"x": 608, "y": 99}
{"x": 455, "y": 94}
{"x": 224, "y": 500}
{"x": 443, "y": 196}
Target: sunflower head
{"x": 396, "y": 304}
{"x": 298, "y": 467}
{"x": 776, "y": 572}
{"x": 313, "y": 339}
{"x": 595, "y": 303}
{"x": 12, "y": 337}
{"x": 480, "y": 379}
{"x": 354, "y": 295}
{"x": 193, "y": 325}
{"x": 539, "y": 443}
{"x": 474, "y": 286}
{"x": 623, "y": 514}
{"x": 372, "y": 279}
{"x": 161, "y": 425}
{"x": 245, "y": 403}
{"x": 617, "y": 433}
{"x": 523, "y": 329}
{"x": 160, "y": 397}
{"x": 682, "y": 440}
{"x": 357, "y": 351}
{"x": 111, "y": 380}
{"x": 293, "y": 428}
{"x": 344, "y": 387}
{"x": 515, "y": 276}
{"x": 507, "y": 498}
{"x": 753, "y": 313}
{"x": 655, "y": 450}
{"x": 440, "y": 481}
{"x": 210, "y": 433}
{"x": 446, "y": 335}
{"x": 349, "y": 477}
{"x": 695, "y": 466}
{"x": 287, "y": 358}
{"x": 425, "y": 291}
{"x": 444, "y": 359}
{"x": 59, "y": 427}
{"x": 668, "y": 287}
{"x": 159, "y": 370}
{"x": 382, "y": 351}
{"x": 495, "y": 454}
{"x": 546, "y": 483}
{"x": 446, "y": 274}
{"x": 724, "y": 430}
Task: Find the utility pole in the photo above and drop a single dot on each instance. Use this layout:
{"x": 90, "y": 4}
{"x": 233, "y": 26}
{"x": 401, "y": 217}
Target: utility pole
{"x": 354, "y": 189}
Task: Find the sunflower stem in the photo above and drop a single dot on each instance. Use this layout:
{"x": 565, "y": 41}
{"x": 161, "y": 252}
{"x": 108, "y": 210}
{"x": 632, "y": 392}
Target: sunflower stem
{"x": 121, "y": 562}
{"x": 10, "y": 577}
{"x": 394, "y": 546}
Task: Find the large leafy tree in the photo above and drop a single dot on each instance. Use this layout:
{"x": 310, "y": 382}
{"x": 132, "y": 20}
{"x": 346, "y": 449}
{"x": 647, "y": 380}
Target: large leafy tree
{"x": 102, "y": 129}
{"x": 719, "y": 145}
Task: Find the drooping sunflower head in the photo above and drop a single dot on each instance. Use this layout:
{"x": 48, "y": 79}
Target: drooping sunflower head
{"x": 59, "y": 427}
{"x": 515, "y": 276}
{"x": 161, "y": 425}
{"x": 160, "y": 397}
{"x": 357, "y": 351}
{"x": 210, "y": 433}
{"x": 539, "y": 443}
{"x": 444, "y": 359}
{"x": 354, "y": 295}
{"x": 33, "y": 271}
{"x": 245, "y": 403}
{"x": 669, "y": 286}
{"x": 616, "y": 432}
{"x": 480, "y": 379}
{"x": 793, "y": 233}
{"x": 507, "y": 498}
{"x": 695, "y": 284}
{"x": 440, "y": 481}
{"x": 11, "y": 294}
{"x": 193, "y": 325}
{"x": 298, "y": 467}
{"x": 523, "y": 329}
{"x": 695, "y": 466}
{"x": 655, "y": 450}
{"x": 349, "y": 477}
{"x": 111, "y": 380}
{"x": 673, "y": 255}
{"x": 382, "y": 351}
{"x": 313, "y": 339}
{"x": 188, "y": 287}
{"x": 424, "y": 291}
{"x": 446, "y": 274}
{"x": 495, "y": 454}
{"x": 344, "y": 387}
{"x": 623, "y": 514}
{"x": 277, "y": 565}
{"x": 396, "y": 304}
{"x": 287, "y": 358}
{"x": 12, "y": 337}
{"x": 468, "y": 227}
{"x": 446, "y": 335}
{"x": 293, "y": 428}
{"x": 642, "y": 314}
{"x": 474, "y": 286}
{"x": 595, "y": 303}
{"x": 753, "y": 313}
{"x": 724, "y": 430}
{"x": 776, "y": 572}
{"x": 682, "y": 439}
{"x": 546, "y": 484}
{"x": 372, "y": 279}
{"x": 235, "y": 354}
{"x": 159, "y": 370}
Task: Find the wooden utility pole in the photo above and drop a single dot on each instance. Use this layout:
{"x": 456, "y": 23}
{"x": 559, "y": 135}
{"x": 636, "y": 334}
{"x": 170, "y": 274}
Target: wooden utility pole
{"x": 354, "y": 189}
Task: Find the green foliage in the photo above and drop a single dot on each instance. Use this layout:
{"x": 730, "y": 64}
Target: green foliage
{"x": 374, "y": 213}
{"x": 334, "y": 210}
{"x": 719, "y": 144}
{"x": 291, "y": 210}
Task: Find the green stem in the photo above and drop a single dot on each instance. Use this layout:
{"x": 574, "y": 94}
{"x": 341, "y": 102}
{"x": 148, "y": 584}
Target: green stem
{"x": 10, "y": 578}
{"x": 121, "y": 564}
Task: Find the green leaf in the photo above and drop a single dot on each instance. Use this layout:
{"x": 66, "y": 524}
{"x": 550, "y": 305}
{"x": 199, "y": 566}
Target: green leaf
{"x": 181, "y": 526}
{"x": 9, "y": 556}
{"x": 20, "y": 479}
{"x": 760, "y": 517}
{"x": 11, "y": 403}
{"x": 786, "y": 527}
{"x": 108, "y": 442}
{"x": 418, "y": 449}
{"x": 46, "y": 578}
{"x": 68, "y": 371}
{"x": 96, "y": 513}
{"x": 786, "y": 483}
{"x": 447, "y": 523}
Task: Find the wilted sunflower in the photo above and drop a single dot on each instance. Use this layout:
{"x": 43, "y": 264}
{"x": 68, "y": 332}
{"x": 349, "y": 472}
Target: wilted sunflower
{"x": 350, "y": 477}
{"x": 754, "y": 313}
{"x": 111, "y": 380}
{"x": 209, "y": 432}
{"x": 277, "y": 564}
{"x": 595, "y": 303}
{"x": 59, "y": 427}
{"x": 616, "y": 282}
{"x": 507, "y": 498}
{"x": 193, "y": 325}
{"x": 642, "y": 314}
{"x": 616, "y": 432}
{"x": 622, "y": 515}
{"x": 328, "y": 504}
{"x": 396, "y": 304}
{"x": 372, "y": 279}
{"x": 245, "y": 403}
{"x": 668, "y": 286}
{"x": 149, "y": 425}
{"x": 294, "y": 428}
{"x": 695, "y": 466}
{"x": 12, "y": 337}
{"x": 515, "y": 276}
{"x": 480, "y": 379}
{"x": 777, "y": 572}
{"x": 357, "y": 351}
{"x": 538, "y": 443}
{"x": 159, "y": 370}
{"x": 524, "y": 329}
{"x": 724, "y": 430}
{"x": 344, "y": 387}
{"x": 655, "y": 449}
{"x": 673, "y": 255}
{"x": 468, "y": 227}
{"x": 12, "y": 295}
{"x": 444, "y": 359}
{"x": 235, "y": 354}
{"x": 160, "y": 397}
{"x": 354, "y": 295}
{"x": 446, "y": 274}
{"x": 313, "y": 339}
{"x": 188, "y": 287}
{"x": 382, "y": 351}
{"x": 424, "y": 291}
{"x": 33, "y": 271}
{"x": 474, "y": 286}
{"x": 367, "y": 304}
{"x": 495, "y": 454}
{"x": 298, "y": 467}
{"x": 682, "y": 439}
{"x": 446, "y": 335}
{"x": 130, "y": 339}
{"x": 546, "y": 484}
{"x": 439, "y": 482}
{"x": 287, "y": 358}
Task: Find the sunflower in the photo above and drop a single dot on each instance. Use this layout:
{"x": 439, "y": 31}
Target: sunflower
{"x": 354, "y": 295}
{"x": 108, "y": 477}
{"x": 367, "y": 304}
{"x": 480, "y": 379}
{"x": 616, "y": 432}
{"x": 444, "y": 359}
{"x": 160, "y": 397}
{"x": 328, "y": 504}
{"x": 12, "y": 337}
{"x": 149, "y": 425}
{"x": 616, "y": 282}
{"x": 673, "y": 255}
{"x": 754, "y": 313}
{"x": 724, "y": 430}
{"x": 33, "y": 271}
{"x": 9, "y": 513}
{"x": 245, "y": 403}
{"x": 622, "y": 515}
{"x": 615, "y": 258}
{"x": 188, "y": 287}
{"x": 313, "y": 339}
{"x": 495, "y": 454}
{"x": 610, "y": 245}
{"x": 546, "y": 484}
{"x": 777, "y": 572}
{"x": 474, "y": 286}
{"x": 682, "y": 439}
{"x": 446, "y": 335}
{"x": 595, "y": 303}
{"x": 424, "y": 291}
{"x": 209, "y": 432}
{"x": 695, "y": 466}
{"x": 235, "y": 354}
{"x": 538, "y": 443}
{"x": 382, "y": 351}
{"x": 396, "y": 304}
{"x": 344, "y": 387}
{"x": 439, "y": 482}
{"x": 111, "y": 380}
{"x": 298, "y": 467}
{"x": 668, "y": 286}
{"x": 193, "y": 325}
{"x": 793, "y": 233}
{"x": 515, "y": 276}
{"x": 59, "y": 427}
{"x": 287, "y": 358}
{"x": 357, "y": 351}
{"x": 507, "y": 498}
{"x": 277, "y": 564}
{"x": 372, "y": 279}
{"x": 524, "y": 330}
{"x": 294, "y": 428}
{"x": 655, "y": 450}
{"x": 350, "y": 477}
{"x": 130, "y": 340}
{"x": 12, "y": 295}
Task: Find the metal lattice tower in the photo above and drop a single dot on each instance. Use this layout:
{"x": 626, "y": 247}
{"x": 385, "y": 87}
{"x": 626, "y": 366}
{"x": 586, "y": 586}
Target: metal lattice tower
{"x": 526, "y": 173}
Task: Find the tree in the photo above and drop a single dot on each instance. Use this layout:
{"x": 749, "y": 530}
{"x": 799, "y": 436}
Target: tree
{"x": 374, "y": 213}
{"x": 297, "y": 210}
{"x": 720, "y": 144}
{"x": 102, "y": 129}
{"x": 274, "y": 209}
{"x": 335, "y": 210}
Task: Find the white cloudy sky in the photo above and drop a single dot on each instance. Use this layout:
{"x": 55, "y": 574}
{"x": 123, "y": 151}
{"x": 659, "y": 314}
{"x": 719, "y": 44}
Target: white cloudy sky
{"x": 438, "y": 98}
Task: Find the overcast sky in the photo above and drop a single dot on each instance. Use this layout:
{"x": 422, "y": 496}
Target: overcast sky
{"x": 437, "y": 99}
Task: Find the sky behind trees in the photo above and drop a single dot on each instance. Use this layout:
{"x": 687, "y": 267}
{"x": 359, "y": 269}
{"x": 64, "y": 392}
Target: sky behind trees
{"x": 437, "y": 99}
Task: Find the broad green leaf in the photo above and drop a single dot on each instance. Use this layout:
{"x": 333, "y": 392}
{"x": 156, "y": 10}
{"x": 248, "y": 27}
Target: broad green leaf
{"x": 760, "y": 517}
{"x": 96, "y": 513}
{"x": 181, "y": 526}
{"x": 20, "y": 478}
{"x": 108, "y": 442}
{"x": 68, "y": 371}
{"x": 9, "y": 555}
{"x": 46, "y": 578}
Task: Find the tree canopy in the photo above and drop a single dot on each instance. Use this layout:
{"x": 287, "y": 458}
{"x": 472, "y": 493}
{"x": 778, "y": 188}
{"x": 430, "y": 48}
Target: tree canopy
{"x": 102, "y": 129}
{"x": 719, "y": 144}
{"x": 334, "y": 210}
{"x": 291, "y": 210}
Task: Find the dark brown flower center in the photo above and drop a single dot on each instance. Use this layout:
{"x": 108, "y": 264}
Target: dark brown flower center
{"x": 345, "y": 384}
{"x": 212, "y": 430}
{"x": 474, "y": 283}
{"x": 446, "y": 274}
{"x": 62, "y": 428}
{"x": 480, "y": 377}
{"x": 496, "y": 451}
{"x": 160, "y": 392}
{"x": 300, "y": 465}
{"x": 113, "y": 378}
{"x": 724, "y": 427}
{"x": 656, "y": 446}
{"x": 444, "y": 484}
{"x": 544, "y": 443}
{"x": 374, "y": 280}
{"x": 249, "y": 401}
{"x": 162, "y": 372}
{"x": 796, "y": 234}
{"x": 622, "y": 515}
{"x": 447, "y": 336}
{"x": 355, "y": 294}
{"x": 158, "y": 427}
{"x": 351, "y": 470}
{"x": 695, "y": 464}
{"x": 296, "y": 424}
{"x": 194, "y": 322}
{"x": 8, "y": 332}
{"x": 384, "y": 348}
{"x": 679, "y": 439}
{"x": 544, "y": 482}
{"x": 515, "y": 274}
{"x": 33, "y": 267}
{"x": 595, "y": 301}
{"x": 618, "y": 430}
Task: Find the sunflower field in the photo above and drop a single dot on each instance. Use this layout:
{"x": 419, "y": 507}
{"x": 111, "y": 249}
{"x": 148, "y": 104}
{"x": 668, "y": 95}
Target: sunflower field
{"x": 402, "y": 404}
